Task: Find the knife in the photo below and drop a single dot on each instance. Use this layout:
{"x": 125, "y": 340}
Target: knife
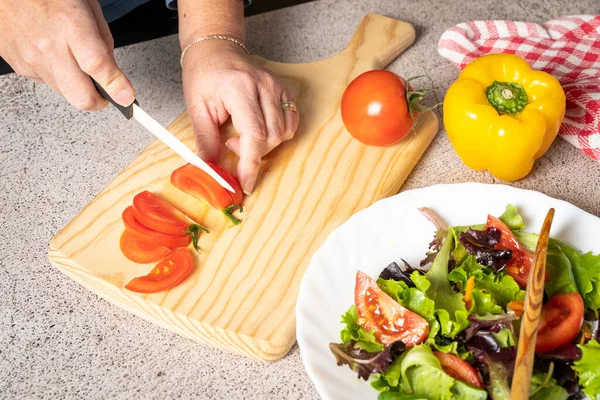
{"x": 134, "y": 111}
{"x": 532, "y": 310}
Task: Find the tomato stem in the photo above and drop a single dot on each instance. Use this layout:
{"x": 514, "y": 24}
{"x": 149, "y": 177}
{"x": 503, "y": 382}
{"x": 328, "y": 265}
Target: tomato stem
{"x": 194, "y": 230}
{"x": 413, "y": 97}
{"x": 229, "y": 210}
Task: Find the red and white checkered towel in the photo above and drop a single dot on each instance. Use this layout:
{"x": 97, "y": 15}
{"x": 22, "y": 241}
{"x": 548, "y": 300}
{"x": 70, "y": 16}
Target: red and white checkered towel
{"x": 568, "y": 48}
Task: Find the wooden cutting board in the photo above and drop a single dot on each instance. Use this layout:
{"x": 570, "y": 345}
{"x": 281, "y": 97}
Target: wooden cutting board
{"x": 242, "y": 292}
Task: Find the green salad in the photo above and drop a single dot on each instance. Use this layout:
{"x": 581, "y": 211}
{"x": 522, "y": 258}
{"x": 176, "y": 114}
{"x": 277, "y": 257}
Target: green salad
{"x": 448, "y": 329}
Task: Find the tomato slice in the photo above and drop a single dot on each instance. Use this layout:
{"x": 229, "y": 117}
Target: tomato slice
{"x": 459, "y": 369}
{"x": 165, "y": 275}
{"x": 199, "y": 184}
{"x": 151, "y": 236}
{"x": 139, "y": 251}
{"x": 560, "y": 322}
{"x": 382, "y": 315}
{"x": 520, "y": 263}
{"x": 157, "y": 214}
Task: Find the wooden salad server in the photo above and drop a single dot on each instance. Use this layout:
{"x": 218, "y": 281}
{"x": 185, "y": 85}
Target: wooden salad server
{"x": 531, "y": 315}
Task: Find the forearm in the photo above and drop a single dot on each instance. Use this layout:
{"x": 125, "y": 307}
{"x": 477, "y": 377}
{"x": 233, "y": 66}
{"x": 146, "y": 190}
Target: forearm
{"x": 209, "y": 17}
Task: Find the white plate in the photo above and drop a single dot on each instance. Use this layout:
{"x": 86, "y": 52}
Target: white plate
{"x": 392, "y": 229}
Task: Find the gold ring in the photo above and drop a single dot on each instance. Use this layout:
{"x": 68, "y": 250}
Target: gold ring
{"x": 289, "y": 106}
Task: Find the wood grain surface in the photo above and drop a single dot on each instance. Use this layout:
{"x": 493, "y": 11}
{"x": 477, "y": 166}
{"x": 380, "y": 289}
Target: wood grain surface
{"x": 532, "y": 311}
{"x": 241, "y": 294}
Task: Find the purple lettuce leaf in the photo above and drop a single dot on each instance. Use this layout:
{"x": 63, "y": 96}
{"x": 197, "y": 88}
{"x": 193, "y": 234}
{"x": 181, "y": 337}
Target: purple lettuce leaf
{"x": 569, "y": 353}
{"x": 481, "y": 245}
{"x": 497, "y": 370}
{"x": 488, "y": 324}
{"x": 364, "y": 362}
{"x": 395, "y": 272}
{"x": 438, "y": 238}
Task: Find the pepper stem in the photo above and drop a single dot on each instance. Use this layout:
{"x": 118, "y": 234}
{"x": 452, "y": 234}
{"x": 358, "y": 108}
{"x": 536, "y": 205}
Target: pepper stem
{"x": 194, "y": 230}
{"x": 229, "y": 210}
{"x": 506, "y": 97}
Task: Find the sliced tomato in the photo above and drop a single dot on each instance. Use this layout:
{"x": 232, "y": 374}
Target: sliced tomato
{"x": 382, "y": 315}
{"x": 199, "y": 184}
{"x": 151, "y": 236}
{"x": 459, "y": 369}
{"x": 165, "y": 275}
{"x": 520, "y": 263}
{"x": 139, "y": 251}
{"x": 560, "y": 322}
{"x": 158, "y": 214}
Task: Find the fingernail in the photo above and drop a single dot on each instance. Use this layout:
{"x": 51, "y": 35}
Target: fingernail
{"x": 249, "y": 185}
{"x": 124, "y": 97}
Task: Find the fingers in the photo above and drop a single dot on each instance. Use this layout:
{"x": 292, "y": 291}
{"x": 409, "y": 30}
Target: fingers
{"x": 206, "y": 132}
{"x": 274, "y": 138}
{"x": 95, "y": 58}
{"x": 103, "y": 28}
{"x": 270, "y": 103}
{"x": 248, "y": 120}
{"x": 291, "y": 118}
{"x": 76, "y": 86}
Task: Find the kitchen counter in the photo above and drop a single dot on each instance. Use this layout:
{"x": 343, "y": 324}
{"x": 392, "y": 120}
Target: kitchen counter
{"x": 57, "y": 340}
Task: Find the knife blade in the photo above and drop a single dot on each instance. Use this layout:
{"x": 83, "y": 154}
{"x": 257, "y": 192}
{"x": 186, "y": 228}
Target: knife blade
{"x": 134, "y": 111}
{"x": 532, "y": 310}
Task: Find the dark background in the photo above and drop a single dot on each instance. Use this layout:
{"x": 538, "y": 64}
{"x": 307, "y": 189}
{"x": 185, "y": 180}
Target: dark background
{"x": 153, "y": 20}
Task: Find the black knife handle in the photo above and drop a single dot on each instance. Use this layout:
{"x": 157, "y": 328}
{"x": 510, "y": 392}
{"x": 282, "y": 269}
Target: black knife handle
{"x": 126, "y": 111}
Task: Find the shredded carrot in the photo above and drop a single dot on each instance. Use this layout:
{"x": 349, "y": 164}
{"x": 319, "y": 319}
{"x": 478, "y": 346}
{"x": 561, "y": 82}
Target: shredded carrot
{"x": 586, "y": 333}
{"x": 516, "y": 306}
{"x": 468, "y": 297}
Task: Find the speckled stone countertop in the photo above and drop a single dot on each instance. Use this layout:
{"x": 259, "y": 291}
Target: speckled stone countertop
{"x": 57, "y": 340}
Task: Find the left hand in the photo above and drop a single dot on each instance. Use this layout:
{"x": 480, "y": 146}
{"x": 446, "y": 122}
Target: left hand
{"x": 219, "y": 81}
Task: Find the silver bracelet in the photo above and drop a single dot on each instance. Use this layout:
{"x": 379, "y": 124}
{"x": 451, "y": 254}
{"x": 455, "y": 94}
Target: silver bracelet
{"x": 220, "y": 37}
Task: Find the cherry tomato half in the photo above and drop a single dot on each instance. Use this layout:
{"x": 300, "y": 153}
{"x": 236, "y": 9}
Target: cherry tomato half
{"x": 388, "y": 320}
{"x": 459, "y": 369}
{"x": 375, "y": 110}
{"x": 158, "y": 214}
{"x": 560, "y": 322}
{"x": 150, "y": 235}
{"x": 139, "y": 251}
{"x": 520, "y": 263}
{"x": 167, "y": 273}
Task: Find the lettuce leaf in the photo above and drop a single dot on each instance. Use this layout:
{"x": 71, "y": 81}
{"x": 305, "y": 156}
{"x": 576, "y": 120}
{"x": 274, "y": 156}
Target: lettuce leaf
{"x": 410, "y": 297}
{"x": 449, "y": 306}
{"x": 398, "y": 396}
{"x": 581, "y": 273}
{"x": 542, "y": 389}
{"x": 417, "y": 301}
{"x": 588, "y": 369}
{"x": 512, "y": 218}
{"x": 353, "y": 332}
{"x": 505, "y": 338}
{"x": 586, "y": 269}
{"x": 422, "y": 375}
{"x": 494, "y": 291}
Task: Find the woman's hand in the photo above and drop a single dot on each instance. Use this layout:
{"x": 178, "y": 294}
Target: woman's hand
{"x": 219, "y": 80}
{"x": 60, "y": 43}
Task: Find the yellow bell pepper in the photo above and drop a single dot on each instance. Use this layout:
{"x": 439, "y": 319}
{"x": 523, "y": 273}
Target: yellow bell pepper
{"x": 501, "y": 115}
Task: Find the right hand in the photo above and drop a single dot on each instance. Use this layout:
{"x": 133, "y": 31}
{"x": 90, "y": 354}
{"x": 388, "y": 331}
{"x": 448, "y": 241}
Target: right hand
{"x": 60, "y": 43}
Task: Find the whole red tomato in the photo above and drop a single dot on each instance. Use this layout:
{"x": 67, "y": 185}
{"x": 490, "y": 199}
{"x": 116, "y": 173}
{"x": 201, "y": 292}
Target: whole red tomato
{"x": 375, "y": 110}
